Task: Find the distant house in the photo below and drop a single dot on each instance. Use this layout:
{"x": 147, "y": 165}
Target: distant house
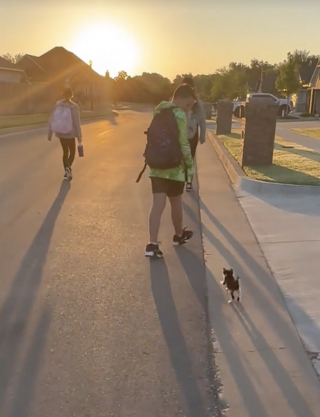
{"x": 60, "y": 68}
{"x": 306, "y": 74}
{"x": 314, "y": 92}
{"x": 10, "y": 73}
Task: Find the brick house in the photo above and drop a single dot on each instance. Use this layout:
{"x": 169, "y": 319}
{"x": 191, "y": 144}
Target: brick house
{"x": 313, "y": 104}
{"x": 307, "y": 79}
{"x": 59, "y": 67}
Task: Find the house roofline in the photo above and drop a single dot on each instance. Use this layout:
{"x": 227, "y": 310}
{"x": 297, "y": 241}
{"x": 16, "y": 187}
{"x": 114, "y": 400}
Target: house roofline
{"x": 32, "y": 60}
{"x": 13, "y": 69}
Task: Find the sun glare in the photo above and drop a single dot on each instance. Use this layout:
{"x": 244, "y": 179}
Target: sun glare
{"x": 109, "y": 47}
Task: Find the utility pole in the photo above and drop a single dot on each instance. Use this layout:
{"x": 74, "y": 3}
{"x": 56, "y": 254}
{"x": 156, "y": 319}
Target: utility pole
{"x": 91, "y": 86}
{"x": 260, "y": 81}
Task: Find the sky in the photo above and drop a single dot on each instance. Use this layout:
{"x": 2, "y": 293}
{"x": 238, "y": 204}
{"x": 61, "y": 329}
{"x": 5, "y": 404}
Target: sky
{"x": 169, "y": 37}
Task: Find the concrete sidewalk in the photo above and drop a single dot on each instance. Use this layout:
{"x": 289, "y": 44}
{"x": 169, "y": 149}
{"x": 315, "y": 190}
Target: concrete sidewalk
{"x": 286, "y": 133}
{"x": 264, "y": 368}
{"x": 288, "y": 230}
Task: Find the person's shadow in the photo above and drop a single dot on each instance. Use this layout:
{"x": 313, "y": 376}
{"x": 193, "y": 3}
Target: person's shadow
{"x": 15, "y": 313}
{"x": 176, "y": 344}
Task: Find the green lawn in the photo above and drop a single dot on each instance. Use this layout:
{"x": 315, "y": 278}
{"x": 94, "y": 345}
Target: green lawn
{"x": 311, "y": 132}
{"x": 24, "y": 120}
{"x": 35, "y": 119}
{"x": 292, "y": 163}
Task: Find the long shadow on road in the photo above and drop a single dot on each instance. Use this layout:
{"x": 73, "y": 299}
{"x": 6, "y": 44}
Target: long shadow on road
{"x": 15, "y": 314}
{"x": 176, "y": 344}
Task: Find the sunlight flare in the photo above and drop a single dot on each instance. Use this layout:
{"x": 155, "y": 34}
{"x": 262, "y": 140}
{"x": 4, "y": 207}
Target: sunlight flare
{"x": 109, "y": 47}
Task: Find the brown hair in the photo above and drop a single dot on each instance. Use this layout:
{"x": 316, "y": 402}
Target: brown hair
{"x": 184, "y": 91}
{"x": 67, "y": 93}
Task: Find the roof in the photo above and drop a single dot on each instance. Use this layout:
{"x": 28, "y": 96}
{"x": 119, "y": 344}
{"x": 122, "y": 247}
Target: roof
{"x": 11, "y": 69}
{"x": 55, "y": 64}
{"x": 4, "y": 63}
{"x": 58, "y": 58}
{"x": 307, "y": 69}
{"x": 34, "y": 60}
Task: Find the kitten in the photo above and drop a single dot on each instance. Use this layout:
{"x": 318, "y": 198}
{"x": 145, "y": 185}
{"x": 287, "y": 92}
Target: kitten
{"x": 232, "y": 283}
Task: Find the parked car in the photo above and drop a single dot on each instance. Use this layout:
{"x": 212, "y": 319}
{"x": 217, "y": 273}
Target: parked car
{"x": 281, "y": 102}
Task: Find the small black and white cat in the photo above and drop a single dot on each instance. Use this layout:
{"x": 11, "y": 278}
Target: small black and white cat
{"x": 232, "y": 284}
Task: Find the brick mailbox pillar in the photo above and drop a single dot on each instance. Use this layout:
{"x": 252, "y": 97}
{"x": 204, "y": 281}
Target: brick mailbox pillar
{"x": 208, "y": 110}
{"x": 258, "y": 131}
{"x": 224, "y": 117}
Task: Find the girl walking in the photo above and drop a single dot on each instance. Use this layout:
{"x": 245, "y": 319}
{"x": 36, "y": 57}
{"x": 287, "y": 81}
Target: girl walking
{"x": 65, "y": 124}
{"x": 196, "y": 120}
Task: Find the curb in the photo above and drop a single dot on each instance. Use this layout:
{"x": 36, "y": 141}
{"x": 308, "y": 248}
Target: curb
{"x": 251, "y": 186}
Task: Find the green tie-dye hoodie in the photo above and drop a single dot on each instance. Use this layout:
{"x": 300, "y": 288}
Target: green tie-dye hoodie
{"x": 184, "y": 172}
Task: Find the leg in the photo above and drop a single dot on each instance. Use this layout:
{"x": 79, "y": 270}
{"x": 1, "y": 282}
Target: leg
{"x": 194, "y": 143}
{"x": 177, "y": 214}
{"x": 72, "y": 151}
{"x": 65, "y": 149}
{"x": 159, "y": 203}
{"x": 193, "y": 147}
{"x": 174, "y": 193}
{"x": 232, "y": 297}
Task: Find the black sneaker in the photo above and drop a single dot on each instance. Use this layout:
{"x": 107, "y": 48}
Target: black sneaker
{"x": 181, "y": 240}
{"x": 153, "y": 251}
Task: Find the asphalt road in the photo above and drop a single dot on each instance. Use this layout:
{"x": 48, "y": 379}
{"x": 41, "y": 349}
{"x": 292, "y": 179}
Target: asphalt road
{"x": 88, "y": 326}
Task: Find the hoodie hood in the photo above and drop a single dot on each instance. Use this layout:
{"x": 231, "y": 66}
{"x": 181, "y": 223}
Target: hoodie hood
{"x": 164, "y": 105}
{"x": 179, "y": 113}
{"x": 63, "y": 103}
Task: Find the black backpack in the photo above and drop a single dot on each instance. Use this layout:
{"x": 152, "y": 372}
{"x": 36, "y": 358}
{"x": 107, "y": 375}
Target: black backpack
{"x": 163, "y": 149}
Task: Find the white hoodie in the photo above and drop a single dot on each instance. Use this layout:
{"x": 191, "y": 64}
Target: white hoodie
{"x": 197, "y": 119}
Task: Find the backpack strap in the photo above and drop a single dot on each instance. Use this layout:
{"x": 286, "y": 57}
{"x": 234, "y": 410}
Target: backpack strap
{"x": 141, "y": 173}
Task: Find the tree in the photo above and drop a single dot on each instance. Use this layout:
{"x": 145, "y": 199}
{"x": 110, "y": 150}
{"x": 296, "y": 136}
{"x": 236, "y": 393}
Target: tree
{"x": 179, "y": 78}
{"x": 14, "y": 58}
{"x": 204, "y": 84}
{"x": 288, "y": 81}
{"x": 301, "y": 56}
{"x": 229, "y": 82}
{"x": 122, "y": 75}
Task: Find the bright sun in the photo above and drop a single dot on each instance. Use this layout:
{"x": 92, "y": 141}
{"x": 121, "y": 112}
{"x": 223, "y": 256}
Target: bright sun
{"x": 108, "y": 47}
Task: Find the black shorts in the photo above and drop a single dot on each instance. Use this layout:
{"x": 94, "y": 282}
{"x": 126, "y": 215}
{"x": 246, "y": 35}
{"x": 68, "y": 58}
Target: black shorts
{"x": 171, "y": 188}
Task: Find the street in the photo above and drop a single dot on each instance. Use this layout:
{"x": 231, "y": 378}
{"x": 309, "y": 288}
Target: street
{"x": 88, "y": 326}
{"x": 91, "y": 328}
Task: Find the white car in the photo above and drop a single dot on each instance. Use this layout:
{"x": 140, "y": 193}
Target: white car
{"x": 284, "y": 108}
